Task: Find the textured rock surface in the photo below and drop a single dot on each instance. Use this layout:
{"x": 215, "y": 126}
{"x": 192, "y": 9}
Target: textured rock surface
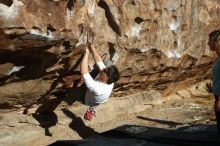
{"x": 68, "y": 124}
{"x": 159, "y": 45}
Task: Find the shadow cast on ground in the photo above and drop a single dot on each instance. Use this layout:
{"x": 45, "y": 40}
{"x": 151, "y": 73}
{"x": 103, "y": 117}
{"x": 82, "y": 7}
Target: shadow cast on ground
{"x": 169, "y": 123}
{"x": 46, "y": 120}
{"x": 78, "y": 125}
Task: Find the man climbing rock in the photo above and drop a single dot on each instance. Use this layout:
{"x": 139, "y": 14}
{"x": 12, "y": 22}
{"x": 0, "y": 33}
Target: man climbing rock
{"x": 98, "y": 90}
{"x": 214, "y": 44}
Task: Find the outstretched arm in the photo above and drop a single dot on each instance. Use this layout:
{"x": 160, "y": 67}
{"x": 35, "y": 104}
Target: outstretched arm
{"x": 84, "y": 64}
{"x": 89, "y": 81}
{"x": 95, "y": 54}
{"x": 97, "y": 58}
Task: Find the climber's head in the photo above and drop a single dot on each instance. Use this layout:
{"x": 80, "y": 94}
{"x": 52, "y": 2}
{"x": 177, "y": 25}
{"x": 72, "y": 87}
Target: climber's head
{"x": 109, "y": 75}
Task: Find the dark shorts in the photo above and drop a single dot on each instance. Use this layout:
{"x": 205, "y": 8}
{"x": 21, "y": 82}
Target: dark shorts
{"x": 217, "y": 114}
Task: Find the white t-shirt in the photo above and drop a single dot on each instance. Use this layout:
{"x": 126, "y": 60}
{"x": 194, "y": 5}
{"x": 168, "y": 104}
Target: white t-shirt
{"x": 97, "y": 92}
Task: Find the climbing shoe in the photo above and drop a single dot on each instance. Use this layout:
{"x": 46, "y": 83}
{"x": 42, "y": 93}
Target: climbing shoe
{"x": 90, "y": 113}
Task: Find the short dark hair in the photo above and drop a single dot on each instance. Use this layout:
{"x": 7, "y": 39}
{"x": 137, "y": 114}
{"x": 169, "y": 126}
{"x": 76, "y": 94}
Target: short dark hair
{"x": 113, "y": 74}
{"x": 214, "y": 35}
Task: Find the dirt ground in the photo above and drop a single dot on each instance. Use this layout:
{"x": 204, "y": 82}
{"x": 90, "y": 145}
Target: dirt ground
{"x": 171, "y": 114}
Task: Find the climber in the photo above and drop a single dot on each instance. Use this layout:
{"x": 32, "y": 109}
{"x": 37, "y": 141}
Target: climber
{"x": 214, "y": 44}
{"x": 99, "y": 90}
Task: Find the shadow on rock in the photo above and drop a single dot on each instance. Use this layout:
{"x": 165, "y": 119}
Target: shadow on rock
{"x": 78, "y": 125}
{"x": 49, "y": 106}
{"x": 169, "y": 123}
{"x": 68, "y": 95}
{"x": 46, "y": 120}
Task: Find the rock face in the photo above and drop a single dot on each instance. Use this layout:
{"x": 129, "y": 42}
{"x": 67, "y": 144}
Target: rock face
{"x": 159, "y": 45}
